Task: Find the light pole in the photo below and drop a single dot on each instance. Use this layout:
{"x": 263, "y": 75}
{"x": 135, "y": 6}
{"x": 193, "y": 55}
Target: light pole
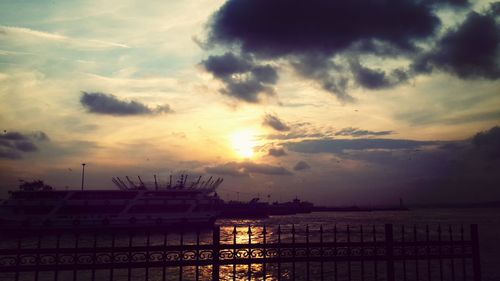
{"x": 83, "y": 173}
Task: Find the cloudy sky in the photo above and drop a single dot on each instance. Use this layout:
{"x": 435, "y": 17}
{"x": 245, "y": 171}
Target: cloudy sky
{"x": 337, "y": 102}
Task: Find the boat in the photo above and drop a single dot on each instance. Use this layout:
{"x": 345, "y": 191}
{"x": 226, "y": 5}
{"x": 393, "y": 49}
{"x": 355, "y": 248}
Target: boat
{"x": 258, "y": 210}
{"x": 243, "y": 210}
{"x": 132, "y": 205}
{"x": 291, "y": 208}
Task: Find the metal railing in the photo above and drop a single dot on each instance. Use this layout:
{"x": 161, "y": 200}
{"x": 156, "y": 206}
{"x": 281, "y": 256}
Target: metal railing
{"x": 247, "y": 253}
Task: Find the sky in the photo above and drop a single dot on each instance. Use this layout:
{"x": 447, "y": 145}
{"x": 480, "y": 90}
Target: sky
{"x": 335, "y": 102}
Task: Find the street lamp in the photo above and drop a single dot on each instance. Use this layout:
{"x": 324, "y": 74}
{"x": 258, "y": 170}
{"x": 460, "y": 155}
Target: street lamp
{"x": 83, "y": 173}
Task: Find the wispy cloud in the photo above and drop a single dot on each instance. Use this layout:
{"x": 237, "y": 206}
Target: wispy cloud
{"x": 356, "y": 132}
{"x": 20, "y": 33}
{"x": 14, "y": 30}
{"x": 275, "y": 122}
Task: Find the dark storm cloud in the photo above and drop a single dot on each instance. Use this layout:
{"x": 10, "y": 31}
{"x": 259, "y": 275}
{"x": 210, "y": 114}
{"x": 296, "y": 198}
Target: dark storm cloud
{"x": 243, "y": 78}
{"x": 450, "y": 3}
{"x": 9, "y": 154}
{"x": 101, "y": 103}
{"x": 467, "y": 170}
{"x": 226, "y": 65}
{"x": 313, "y": 32}
{"x": 301, "y": 165}
{"x": 247, "y": 168}
{"x": 290, "y": 27}
{"x": 315, "y": 36}
{"x": 479, "y": 151}
{"x": 376, "y": 47}
{"x": 375, "y": 79}
{"x": 328, "y": 74}
{"x": 13, "y": 136}
{"x": 25, "y": 146}
{"x": 14, "y": 144}
{"x": 469, "y": 51}
{"x": 495, "y": 9}
{"x": 276, "y": 152}
{"x": 488, "y": 142}
{"x": 334, "y": 78}
{"x": 338, "y": 146}
{"x": 443, "y": 171}
{"x": 6, "y": 143}
{"x": 265, "y": 74}
{"x": 275, "y": 122}
{"x": 370, "y": 78}
{"x": 355, "y": 132}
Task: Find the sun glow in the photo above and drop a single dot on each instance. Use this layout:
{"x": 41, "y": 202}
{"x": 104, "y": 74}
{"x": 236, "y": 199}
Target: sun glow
{"x": 243, "y": 143}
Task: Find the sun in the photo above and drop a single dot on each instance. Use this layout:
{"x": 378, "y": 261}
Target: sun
{"x": 243, "y": 143}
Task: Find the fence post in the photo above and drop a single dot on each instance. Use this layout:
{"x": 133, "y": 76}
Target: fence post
{"x": 476, "y": 264}
{"x": 389, "y": 252}
{"x": 215, "y": 253}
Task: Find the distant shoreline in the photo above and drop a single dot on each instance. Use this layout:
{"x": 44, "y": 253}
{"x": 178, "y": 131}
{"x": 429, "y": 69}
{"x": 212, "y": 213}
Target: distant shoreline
{"x": 491, "y": 204}
{"x": 475, "y": 205}
{"x": 358, "y": 209}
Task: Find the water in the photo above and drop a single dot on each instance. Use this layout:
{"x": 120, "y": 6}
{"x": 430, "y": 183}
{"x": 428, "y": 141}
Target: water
{"x": 487, "y": 219}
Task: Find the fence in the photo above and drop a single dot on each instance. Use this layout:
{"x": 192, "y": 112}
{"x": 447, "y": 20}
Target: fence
{"x": 243, "y": 253}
